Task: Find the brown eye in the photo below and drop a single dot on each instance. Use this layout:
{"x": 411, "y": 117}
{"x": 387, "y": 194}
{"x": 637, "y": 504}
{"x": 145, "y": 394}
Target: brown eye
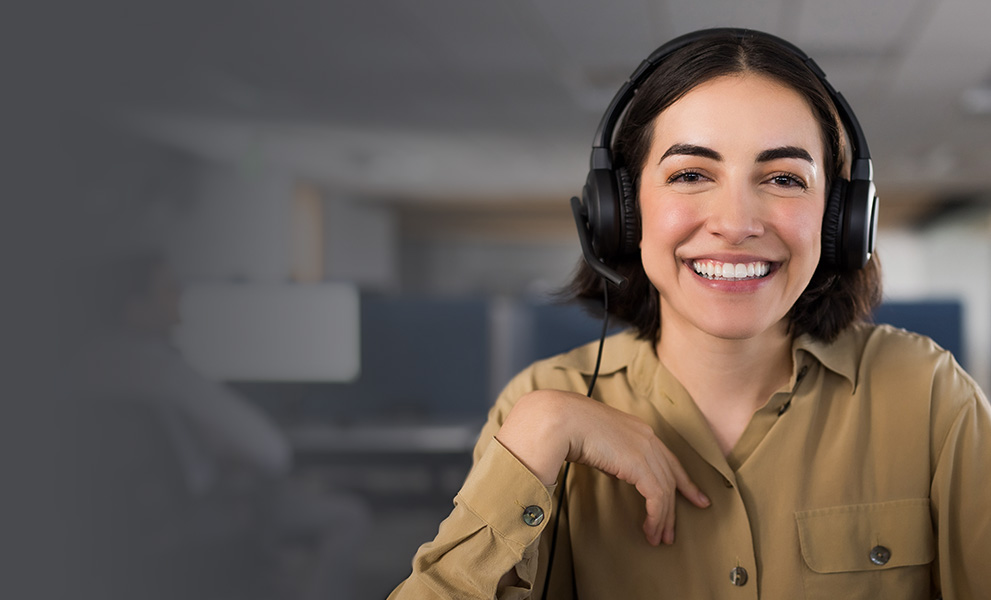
{"x": 686, "y": 177}
{"x": 788, "y": 181}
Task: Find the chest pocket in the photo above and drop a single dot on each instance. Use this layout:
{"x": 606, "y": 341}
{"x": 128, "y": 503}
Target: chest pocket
{"x": 881, "y": 550}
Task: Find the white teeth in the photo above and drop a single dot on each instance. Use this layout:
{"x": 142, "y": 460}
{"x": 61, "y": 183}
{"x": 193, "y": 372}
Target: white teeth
{"x": 730, "y": 271}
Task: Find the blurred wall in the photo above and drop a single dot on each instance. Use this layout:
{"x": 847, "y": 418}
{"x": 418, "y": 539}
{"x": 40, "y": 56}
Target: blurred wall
{"x": 947, "y": 261}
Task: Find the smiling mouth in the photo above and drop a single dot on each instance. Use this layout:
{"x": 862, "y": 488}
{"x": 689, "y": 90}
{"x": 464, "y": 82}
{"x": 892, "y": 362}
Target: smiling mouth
{"x": 731, "y": 271}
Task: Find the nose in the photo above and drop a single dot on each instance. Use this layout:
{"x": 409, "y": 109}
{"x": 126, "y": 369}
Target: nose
{"x": 734, "y": 214}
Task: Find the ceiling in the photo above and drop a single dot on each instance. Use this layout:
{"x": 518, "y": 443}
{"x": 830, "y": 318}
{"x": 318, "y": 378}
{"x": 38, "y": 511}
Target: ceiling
{"x": 461, "y": 101}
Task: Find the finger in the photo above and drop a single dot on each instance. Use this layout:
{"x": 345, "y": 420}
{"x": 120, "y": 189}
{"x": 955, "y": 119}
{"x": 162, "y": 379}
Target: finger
{"x": 685, "y": 484}
{"x": 659, "y": 489}
{"x": 660, "y": 495}
{"x": 668, "y": 534}
{"x": 660, "y": 506}
{"x": 653, "y": 525}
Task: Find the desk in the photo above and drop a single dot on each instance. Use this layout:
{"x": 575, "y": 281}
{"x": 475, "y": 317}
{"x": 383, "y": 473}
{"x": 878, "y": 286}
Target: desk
{"x": 388, "y": 464}
{"x": 308, "y": 440}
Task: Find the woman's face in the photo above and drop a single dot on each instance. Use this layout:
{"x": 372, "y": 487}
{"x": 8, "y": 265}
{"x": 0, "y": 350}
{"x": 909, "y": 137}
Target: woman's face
{"x": 732, "y": 198}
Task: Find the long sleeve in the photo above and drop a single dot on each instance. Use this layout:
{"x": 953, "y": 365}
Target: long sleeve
{"x": 496, "y": 525}
{"x": 497, "y": 519}
{"x": 502, "y": 509}
{"x": 960, "y": 492}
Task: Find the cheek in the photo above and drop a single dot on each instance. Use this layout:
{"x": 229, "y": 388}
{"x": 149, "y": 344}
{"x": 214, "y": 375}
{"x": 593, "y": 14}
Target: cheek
{"x": 802, "y": 230}
{"x": 664, "y": 227}
{"x": 666, "y": 223}
{"x": 812, "y": 224}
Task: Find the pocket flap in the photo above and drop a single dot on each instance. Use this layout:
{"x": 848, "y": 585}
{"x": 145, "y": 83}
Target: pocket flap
{"x": 863, "y": 537}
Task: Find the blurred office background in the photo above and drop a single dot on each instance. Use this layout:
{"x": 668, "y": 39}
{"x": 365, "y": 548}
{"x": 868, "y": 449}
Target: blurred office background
{"x": 365, "y": 205}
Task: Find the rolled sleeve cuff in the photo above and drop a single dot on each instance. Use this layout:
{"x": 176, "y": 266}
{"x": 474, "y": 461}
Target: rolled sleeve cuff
{"x": 510, "y": 499}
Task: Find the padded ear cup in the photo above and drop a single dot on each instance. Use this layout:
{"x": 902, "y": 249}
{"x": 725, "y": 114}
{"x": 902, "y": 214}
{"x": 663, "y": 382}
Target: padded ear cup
{"x": 859, "y": 224}
{"x": 849, "y": 224}
{"x": 612, "y": 212}
{"x": 832, "y": 224}
{"x": 599, "y": 197}
{"x": 630, "y": 216}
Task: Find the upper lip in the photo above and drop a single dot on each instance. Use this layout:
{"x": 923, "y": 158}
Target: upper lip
{"x": 730, "y": 259}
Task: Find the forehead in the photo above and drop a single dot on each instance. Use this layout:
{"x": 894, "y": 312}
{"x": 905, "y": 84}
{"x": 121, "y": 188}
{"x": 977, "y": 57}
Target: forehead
{"x": 741, "y": 110}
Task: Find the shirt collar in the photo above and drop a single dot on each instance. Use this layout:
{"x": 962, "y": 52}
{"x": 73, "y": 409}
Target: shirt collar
{"x": 625, "y": 350}
{"x": 620, "y": 351}
{"x": 842, "y": 356}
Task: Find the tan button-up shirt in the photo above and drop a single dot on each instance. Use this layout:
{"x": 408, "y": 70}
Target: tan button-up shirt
{"x": 867, "y": 476}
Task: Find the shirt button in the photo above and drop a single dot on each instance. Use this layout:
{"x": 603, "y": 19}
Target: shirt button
{"x": 880, "y": 555}
{"x": 738, "y": 576}
{"x": 533, "y": 515}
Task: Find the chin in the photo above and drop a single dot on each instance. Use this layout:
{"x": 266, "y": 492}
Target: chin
{"x": 735, "y": 333}
{"x": 733, "y": 329}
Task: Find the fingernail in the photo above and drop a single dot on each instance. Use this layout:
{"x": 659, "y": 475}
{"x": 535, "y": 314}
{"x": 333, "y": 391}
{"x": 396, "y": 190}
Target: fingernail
{"x": 704, "y": 499}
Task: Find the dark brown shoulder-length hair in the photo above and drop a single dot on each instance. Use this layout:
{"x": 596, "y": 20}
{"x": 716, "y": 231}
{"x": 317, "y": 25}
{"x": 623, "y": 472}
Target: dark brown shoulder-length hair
{"x": 834, "y": 298}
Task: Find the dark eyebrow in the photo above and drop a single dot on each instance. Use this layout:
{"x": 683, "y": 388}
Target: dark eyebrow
{"x": 692, "y": 150}
{"x": 785, "y": 152}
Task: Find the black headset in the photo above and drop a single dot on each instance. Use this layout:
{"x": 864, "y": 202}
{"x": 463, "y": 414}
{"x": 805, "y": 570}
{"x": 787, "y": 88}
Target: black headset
{"x": 607, "y": 215}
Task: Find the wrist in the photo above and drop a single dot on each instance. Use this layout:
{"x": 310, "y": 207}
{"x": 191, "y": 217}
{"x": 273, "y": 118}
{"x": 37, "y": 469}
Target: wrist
{"x": 536, "y": 433}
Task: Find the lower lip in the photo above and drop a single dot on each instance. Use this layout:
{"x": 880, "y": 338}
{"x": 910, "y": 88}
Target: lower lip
{"x": 734, "y": 285}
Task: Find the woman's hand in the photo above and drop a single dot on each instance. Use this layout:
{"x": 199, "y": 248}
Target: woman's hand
{"x": 547, "y": 427}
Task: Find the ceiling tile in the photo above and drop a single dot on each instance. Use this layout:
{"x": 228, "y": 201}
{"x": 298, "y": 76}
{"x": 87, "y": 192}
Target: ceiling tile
{"x": 855, "y": 27}
{"x": 599, "y": 34}
{"x": 764, "y": 15}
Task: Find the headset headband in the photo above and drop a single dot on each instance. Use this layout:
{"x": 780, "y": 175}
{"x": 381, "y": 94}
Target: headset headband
{"x": 861, "y": 167}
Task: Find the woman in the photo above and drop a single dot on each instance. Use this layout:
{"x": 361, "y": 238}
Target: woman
{"x": 751, "y": 436}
